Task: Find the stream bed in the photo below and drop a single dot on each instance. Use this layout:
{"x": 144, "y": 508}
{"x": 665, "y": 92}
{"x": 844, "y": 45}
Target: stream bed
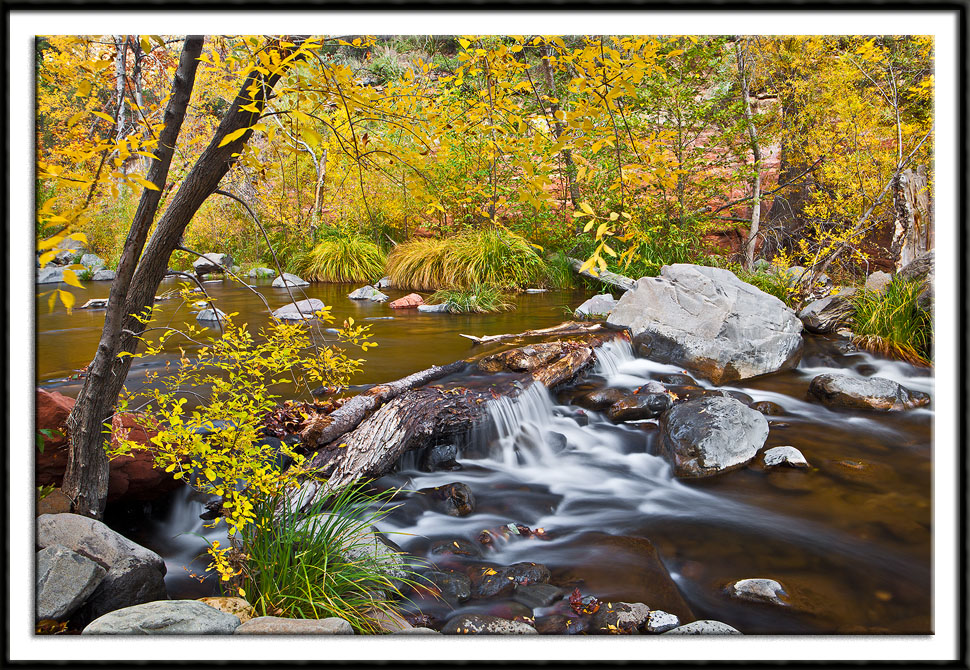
{"x": 849, "y": 537}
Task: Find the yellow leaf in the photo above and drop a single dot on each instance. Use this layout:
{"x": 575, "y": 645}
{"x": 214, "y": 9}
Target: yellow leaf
{"x": 67, "y": 298}
{"x": 586, "y": 208}
{"x": 46, "y": 257}
{"x": 104, "y": 116}
{"x": 464, "y": 43}
{"x": 210, "y": 475}
{"x": 588, "y": 226}
{"x": 71, "y": 279}
{"x": 74, "y": 119}
{"x": 236, "y": 134}
{"x": 83, "y": 88}
{"x": 147, "y": 184}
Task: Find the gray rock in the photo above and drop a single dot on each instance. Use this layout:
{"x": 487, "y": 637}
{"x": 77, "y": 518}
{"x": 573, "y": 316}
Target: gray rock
{"x": 130, "y": 581}
{"x": 536, "y": 290}
{"x": 93, "y": 539}
{"x": 367, "y": 293}
{"x": 827, "y": 314}
{"x": 708, "y": 320}
{"x": 383, "y": 282}
{"x": 272, "y": 625}
{"x": 416, "y": 631}
{"x": 65, "y": 579}
{"x": 286, "y": 279}
{"x": 437, "y": 309}
{"x": 483, "y": 624}
{"x": 455, "y": 499}
{"x": 922, "y": 268}
{"x": 704, "y": 627}
{"x": 711, "y": 435}
{"x": 878, "y": 281}
{"x": 759, "y": 591}
{"x": 92, "y": 261}
{"x": 262, "y": 273}
{"x": 296, "y": 311}
{"x": 625, "y": 617}
{"x": 537, "y": 595}
{"x": 779, "y": 456}
{"x": 235, "y": 269}
{"x": 598, "y": 305}
{"x": 211, "y": 315}
{"x": 440, "y": 457}
{"x": 875, "y": 393}
{"x": 104, "y": 275}
{"x": 95, "y": 303}
{"x": 212, "y": 262}
{"x": 659, "y": 621}
{"x": 164, "y": 617}
{"x": 455, "y": 587}
{"x": 50, "y": 275}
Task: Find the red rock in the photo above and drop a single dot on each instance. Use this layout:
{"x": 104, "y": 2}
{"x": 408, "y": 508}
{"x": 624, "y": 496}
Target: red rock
{"x": 410, "y": 300}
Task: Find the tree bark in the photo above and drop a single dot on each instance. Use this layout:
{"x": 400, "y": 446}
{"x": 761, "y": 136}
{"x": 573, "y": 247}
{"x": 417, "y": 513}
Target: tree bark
{"x": 567, "y": 328}
{"x": 557, "y": 128}
{"x": 606, "y": 277}
{"x": 756, "y": 155}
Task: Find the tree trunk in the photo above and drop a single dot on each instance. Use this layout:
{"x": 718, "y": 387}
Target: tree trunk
{"x": 752, "y": 239}
{"x": 606, "y": 277}
{"x": 912, "y": 233}
{"x": 557, "y": 128}
{"x": 86, "y": 478}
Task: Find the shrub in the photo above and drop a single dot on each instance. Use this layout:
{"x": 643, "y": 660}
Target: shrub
{"x": 344, "y": 259}
{"x": 490, "y": 257}
{"x": 772, "y": 283}
{"x": 479, "y": 298}
{"x": 893, "y": 324}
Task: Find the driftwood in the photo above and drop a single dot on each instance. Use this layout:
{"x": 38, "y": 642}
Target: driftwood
{"x": 567, "y": 328}
{"x": 606, "y": 277}
{"x": 417, "y": 416}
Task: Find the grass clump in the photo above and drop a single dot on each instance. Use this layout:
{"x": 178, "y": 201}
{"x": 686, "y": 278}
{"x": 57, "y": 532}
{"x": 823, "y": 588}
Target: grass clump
{"x": 559, "y": 273}
{"x": 893, "y": 324}
{"x": 344, "y": 259}
{"x": 484, "y": 258}
{"x": 320, "y": 563}
{"x": 773, "y": 283}
{"x": 478, "y": 299}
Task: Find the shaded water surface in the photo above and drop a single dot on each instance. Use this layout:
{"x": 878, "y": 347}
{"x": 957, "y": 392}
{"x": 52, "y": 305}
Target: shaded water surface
{"x": 849, "y": 538}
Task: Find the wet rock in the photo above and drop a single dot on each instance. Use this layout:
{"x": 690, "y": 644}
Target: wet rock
{"x": 708, "y": 320}
{"x": 614, "y": 618}
{"x": 828, "y": 314}
{"x": 522, "y": 359}
{"x": 653, "y": 387}
{"x": 524, "y": 573}
{"x": 103, "y": 275}
{"x": 560, "y": 624}
{"x": 596, "y": 307}
{"x": 704, "y": 627}
{"x": 537, "y": 595}
{"x": 211, "y": 315}
{"x": 768, "y": 408}
{"x": 791, "y": 481}
{"x": 687, "y": 393}
{"x": 782, "y": 456}
{"x": 272, "y": 625}
{"x": 639, "y": 407}
{"x": 212, "y": 263}
{"x": 65, "y": 579}
{"x": 659, "y": 621}
{"x": 164, "y": 617}
{"x": 297, "y": 311}
{"x": 442, "y": 308}
{"x": 711, "y": 435}
{"x": 677, "y": 379}
{"x": 759, "y": 591}
{"x": 238, "y": 607}
{"x": 367, "y": 293}
{"x": 455, "y": 587}
{"x": 740, "y": 396}
{"x": 261, "y": 273}
{"x": 876, "y": 393}
{"x": 489, "y": 582}
{"x": 95, "y": 303}
{"x": 454, "y": 499}
{"x": 92, "y": 261}
{"x": 50, "y": 275}
{"x": 410, "y": 300}
{"x": 287, "y": 279}
{"x": 557, "y": 442}
{"x": 601, "y": 399}
{"x": 383, "y": 282}
{"x": 441, "y": 457}
{"x": 483, "y": 624}
{"x": 456, "y": 547}
{"x": 878, "y": 281}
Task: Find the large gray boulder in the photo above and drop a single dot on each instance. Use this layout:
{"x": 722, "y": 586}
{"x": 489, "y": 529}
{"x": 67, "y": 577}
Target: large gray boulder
{"x": 65, "y": 579}
{"x": 211, "y": 315}
{"x": 50, "y": 274}
{"x": 875, "y": 393}
{"x": 212, "y": 263}
{"x": 598, "y": 306}
{"x": 286, "y": 279}
{"x": 827, "y": 314}
{"x": 165, "y": 617}
{"x": 103, "y": 275}
{"x": 708, "y": 320}
{"x": 297, "y": 311}
{"x": 484, "y": 624}
{"x": 922, "y": 268}
{"x": 367, "y": 293}
{"x": 878, "y": 281}
{"x": 704, "y": 627}
{"x": 92, "y": 261}
{"x": 711, "y": 435}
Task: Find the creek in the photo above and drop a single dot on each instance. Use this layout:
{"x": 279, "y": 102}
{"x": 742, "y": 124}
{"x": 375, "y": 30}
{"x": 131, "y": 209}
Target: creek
{"x": 851, "y": 536}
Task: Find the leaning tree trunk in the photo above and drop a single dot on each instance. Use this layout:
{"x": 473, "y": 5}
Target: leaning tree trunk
{"x": 86, "y": 477}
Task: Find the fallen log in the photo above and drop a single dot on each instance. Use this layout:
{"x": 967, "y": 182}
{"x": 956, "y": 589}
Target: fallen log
{"x": 567, "y": 328}
{"x": 421, "y": 417}
{"x": 606, "y": 277}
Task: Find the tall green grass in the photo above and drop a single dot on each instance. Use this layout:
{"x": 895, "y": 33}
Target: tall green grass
{"x": 344, "y": 259}
{"x": 893, "y": 324}
{"x": 489, "y": 257}
{"x": 316, "y": 564}
{"x": 479, "y": 298}
{"x": 772, "y": 283}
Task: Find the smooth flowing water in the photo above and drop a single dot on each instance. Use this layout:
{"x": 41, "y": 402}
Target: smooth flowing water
{"x": 849, "y": 538}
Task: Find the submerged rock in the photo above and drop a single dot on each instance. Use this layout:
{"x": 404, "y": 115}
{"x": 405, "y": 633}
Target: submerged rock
{"x": 164, "y": 617}
{"x": 65, "y": 579}
{"x": 708, "y": 320}
{"x": 483, "y": 624}
{"x": 287, "y": 279}
{"x": 297, "y": 311}
{"x": 759, "y": 591}
{"x": 779, "y": 456}
{"x": 457, "y": 547}
{"x": 876, "y": 393}
{"x": 367, "y": 293}
{"x": 711, "y": 435}
{"x": 597, "y": 306}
